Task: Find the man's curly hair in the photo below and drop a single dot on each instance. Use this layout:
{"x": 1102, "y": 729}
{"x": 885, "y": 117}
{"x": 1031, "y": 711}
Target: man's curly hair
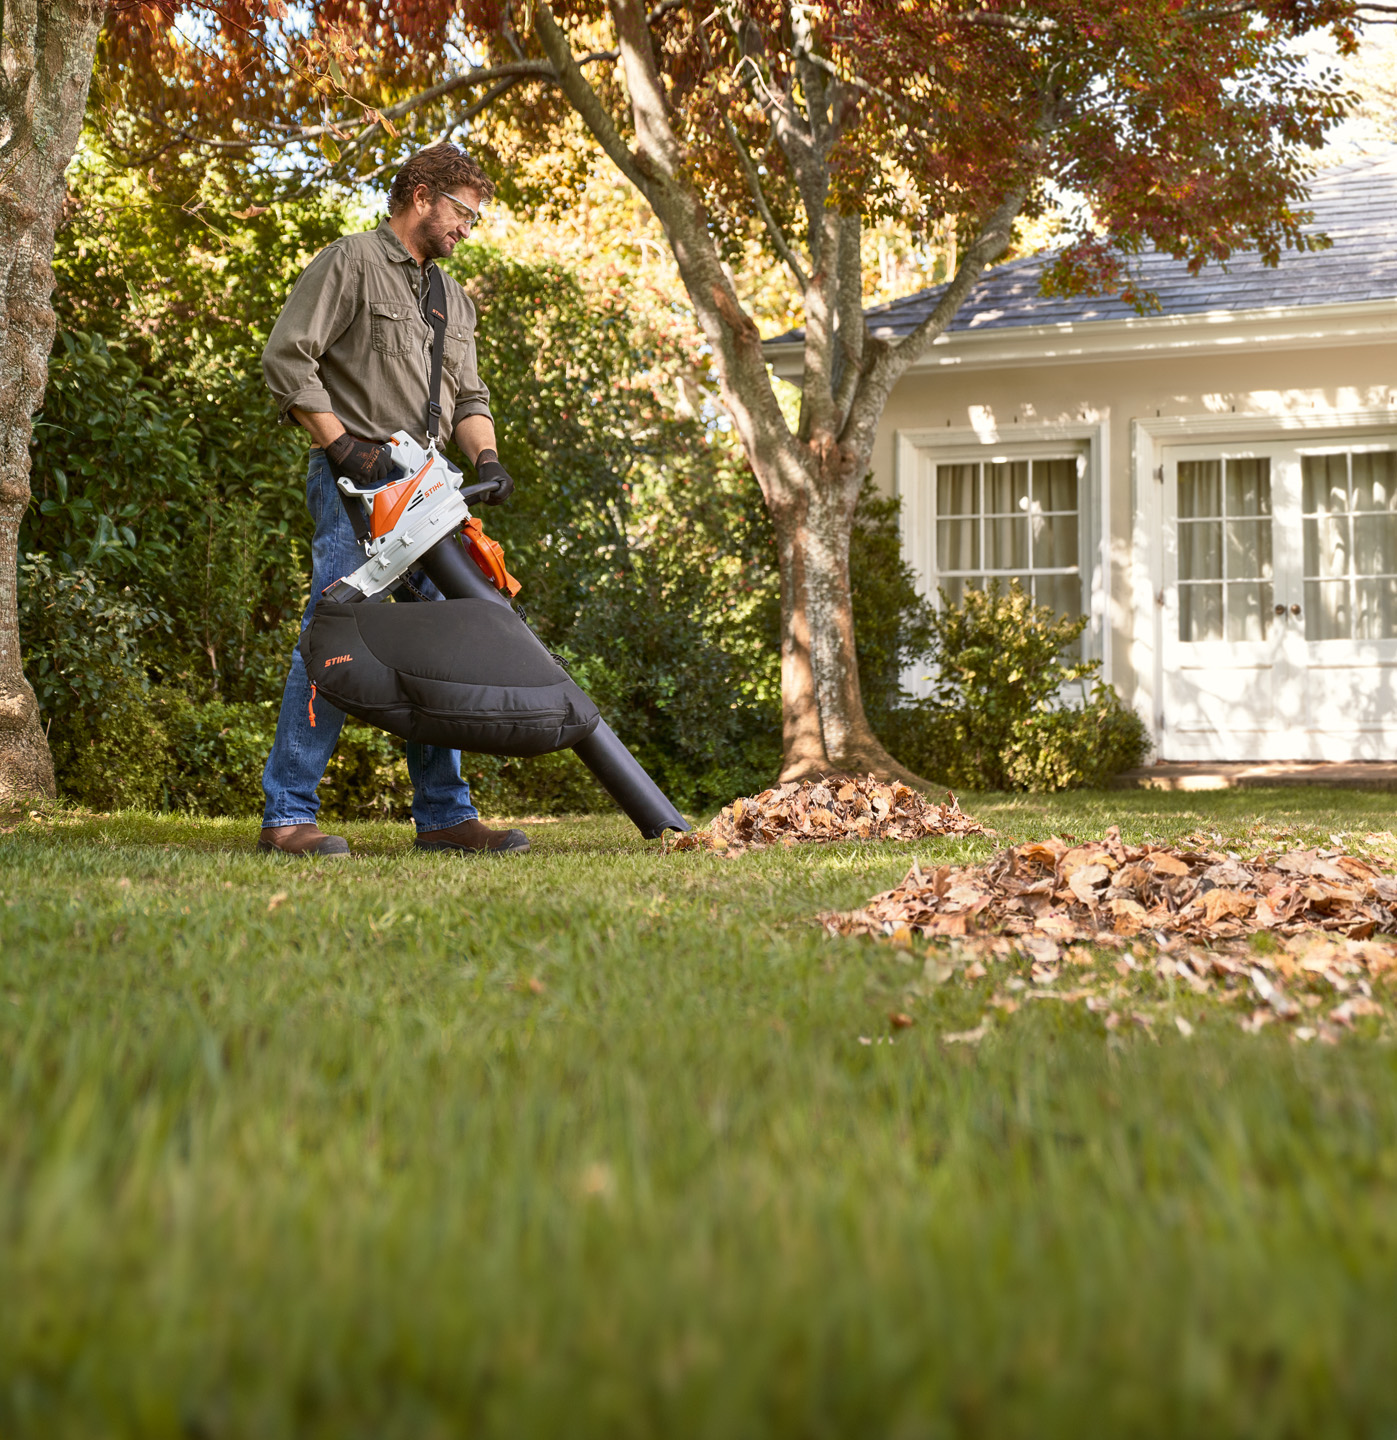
{"x": 439, "y": 167}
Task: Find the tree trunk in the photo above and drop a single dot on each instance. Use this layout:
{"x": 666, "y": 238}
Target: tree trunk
{"x": 45, "y": 68}
{"x": 825, "y": 730}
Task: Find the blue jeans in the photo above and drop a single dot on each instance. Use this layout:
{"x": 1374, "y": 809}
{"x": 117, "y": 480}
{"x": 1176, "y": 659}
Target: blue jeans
{"x": 301, "y": 751}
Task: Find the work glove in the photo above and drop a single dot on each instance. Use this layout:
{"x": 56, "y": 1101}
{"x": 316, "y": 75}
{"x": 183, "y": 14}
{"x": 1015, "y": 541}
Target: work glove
{"x": 488, "y": 467}
{"x": 363, "y": 461}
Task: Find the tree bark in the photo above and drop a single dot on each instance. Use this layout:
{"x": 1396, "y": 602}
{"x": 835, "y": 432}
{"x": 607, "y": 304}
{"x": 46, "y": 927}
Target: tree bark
{"x": 45, "y": 67}
{"x": 824, "y": 728}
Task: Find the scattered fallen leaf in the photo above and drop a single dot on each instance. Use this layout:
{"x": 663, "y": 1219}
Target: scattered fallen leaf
{"x": 900, "y": 1020}
{"x": 276, "y": 900}
{"x": 967, "y": 1037}
{"x": 597, "y": 1181}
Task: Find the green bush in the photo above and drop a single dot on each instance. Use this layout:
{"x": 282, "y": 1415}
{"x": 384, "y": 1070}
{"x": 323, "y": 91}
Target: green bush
{"x": 120, "y": 760}
{"x": 82, "y": 651}
{"x": 997, "y": 719}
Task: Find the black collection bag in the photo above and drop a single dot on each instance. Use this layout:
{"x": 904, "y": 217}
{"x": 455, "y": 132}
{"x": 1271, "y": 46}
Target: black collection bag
{"x": 466, "y": 674}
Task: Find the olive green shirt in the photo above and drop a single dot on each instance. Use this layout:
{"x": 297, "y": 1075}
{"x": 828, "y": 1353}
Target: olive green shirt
{"x": 351, "y": 339}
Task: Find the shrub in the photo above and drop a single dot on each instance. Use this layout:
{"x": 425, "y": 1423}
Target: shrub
{"x": 997, "y": 718}
{"x": 82, "y": 653}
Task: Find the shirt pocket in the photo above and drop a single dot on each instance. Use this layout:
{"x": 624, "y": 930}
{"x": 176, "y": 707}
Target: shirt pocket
{"x": 458, "y": 353}
{"x": 393, "y": 330}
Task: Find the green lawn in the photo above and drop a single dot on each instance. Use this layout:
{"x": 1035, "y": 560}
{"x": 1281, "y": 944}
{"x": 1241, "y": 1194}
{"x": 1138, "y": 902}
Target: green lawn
{"x": 585, "y": 1143}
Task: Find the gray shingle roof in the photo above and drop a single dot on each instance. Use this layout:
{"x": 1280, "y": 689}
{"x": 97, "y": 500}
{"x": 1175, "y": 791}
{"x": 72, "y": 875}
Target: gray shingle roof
{"x": 1354, "y": 204}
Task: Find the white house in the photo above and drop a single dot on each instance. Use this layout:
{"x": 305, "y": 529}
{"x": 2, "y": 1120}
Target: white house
{"x": 1215, "y": 485}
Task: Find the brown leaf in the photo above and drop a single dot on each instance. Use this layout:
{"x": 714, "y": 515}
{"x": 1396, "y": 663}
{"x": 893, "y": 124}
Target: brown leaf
{"x": 1219, "y": 904}
{"x": 1084, "y": 882}
{"x": 900, "y": 1020}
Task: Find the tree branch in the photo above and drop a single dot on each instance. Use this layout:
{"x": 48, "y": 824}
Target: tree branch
{"x": 754, "y": 186}
{"x": 773, "y": 228}
{"x": 584, "y": 99}
{"x": 893, "y": 362}
{"x": 654, "y": 135}
{"x": 853, "y": 328}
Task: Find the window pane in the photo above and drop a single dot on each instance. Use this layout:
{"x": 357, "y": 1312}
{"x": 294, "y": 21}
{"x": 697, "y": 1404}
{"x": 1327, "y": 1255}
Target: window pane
{"x": 1249, "y": 613}
{"x": 1375, "y": 481}
{"x": 1054, "y": 541}
{"x": 1062, "y": 592}
{"x": 954, "y": 586}
{"x": 1200, "y": 550}
{"x": 1375, "y": 544}
{"x": 1200, "y": 612}
{"x": 1375, "y": 605}
{"x": 1006, "y": 487}
{"x": 1325, "y": 480}
{"x": 1007, "y": 542}
{"x": 1249, "y": 487}
{"x": 1055, "y": 484}
{"x": 1326, "y": 546}
{"x": 957, "y": 544}
{"x": 955, "y": 489}
{"x": 1326, "y": 610}
{"x": 1248, "y": 549}
{"x": 1200, "y": 488}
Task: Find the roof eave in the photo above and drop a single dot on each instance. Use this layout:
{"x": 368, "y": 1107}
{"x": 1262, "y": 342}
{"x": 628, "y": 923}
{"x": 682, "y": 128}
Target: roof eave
{"x": 1295, "y": 327}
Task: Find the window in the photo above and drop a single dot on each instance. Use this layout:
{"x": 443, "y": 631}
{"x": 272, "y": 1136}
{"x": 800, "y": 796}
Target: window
{"x": 1350, "y": 537}
{"x": 1012, "y": 520}
{"x": 1225, "y": 579}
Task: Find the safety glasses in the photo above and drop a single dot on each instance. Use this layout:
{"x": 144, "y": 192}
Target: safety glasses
{"x": 472, "y": 216}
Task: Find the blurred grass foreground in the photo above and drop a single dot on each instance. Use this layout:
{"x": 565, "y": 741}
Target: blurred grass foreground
{"x": 585, "y": 1143}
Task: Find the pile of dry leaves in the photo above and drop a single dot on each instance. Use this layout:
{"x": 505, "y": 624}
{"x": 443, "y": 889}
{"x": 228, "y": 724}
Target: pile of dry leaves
{"x": 1197, "y": 908}
{"x": 823, "y": 810}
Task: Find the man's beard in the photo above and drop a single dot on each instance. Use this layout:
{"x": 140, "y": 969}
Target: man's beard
{"x": 435, "y": 244}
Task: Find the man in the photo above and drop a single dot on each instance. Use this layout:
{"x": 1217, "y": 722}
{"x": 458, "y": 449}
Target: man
{"x": 348, "y": 360}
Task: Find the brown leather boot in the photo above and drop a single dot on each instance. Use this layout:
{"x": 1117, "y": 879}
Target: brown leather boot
{"x": 304, "y": 839}
{"x": 473, "y": 838}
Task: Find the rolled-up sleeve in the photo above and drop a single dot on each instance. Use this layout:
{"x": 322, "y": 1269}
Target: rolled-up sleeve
{"x": 318, "y": 310}
{"x": 472, "y": 395}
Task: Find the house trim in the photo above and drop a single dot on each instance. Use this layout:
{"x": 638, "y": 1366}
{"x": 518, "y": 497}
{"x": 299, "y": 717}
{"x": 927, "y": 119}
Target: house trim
{"x": 1148, "y": 437}
{"x": 1293, "y": 327}
{"x": 1092, "y": 431}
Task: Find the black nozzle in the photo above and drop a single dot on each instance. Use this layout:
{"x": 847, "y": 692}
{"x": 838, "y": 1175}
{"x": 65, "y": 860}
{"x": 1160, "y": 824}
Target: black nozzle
{"x": 623, "y": 778}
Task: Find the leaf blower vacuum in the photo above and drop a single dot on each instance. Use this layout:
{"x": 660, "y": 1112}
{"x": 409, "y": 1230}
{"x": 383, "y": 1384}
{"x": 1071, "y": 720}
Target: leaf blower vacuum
{"x": 467, "y": 672}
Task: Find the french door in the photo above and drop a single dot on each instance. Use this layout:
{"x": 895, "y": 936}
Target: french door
{"x": 1279, "y": 602}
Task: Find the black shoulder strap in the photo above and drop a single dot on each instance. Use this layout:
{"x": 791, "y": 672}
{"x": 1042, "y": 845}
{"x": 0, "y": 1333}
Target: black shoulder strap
{"x": 436, "y": 318}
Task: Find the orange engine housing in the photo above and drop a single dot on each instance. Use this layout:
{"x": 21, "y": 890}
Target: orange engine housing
{"x": 489, "y": 555}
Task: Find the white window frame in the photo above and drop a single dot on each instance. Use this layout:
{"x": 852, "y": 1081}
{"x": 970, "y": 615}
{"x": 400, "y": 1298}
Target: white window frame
{"x": 984, "y": 443}
{"x": 1149, "y": 436}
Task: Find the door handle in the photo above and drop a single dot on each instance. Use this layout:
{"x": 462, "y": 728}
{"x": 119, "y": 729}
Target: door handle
{"x": 1280, "y": 609}
{"x": 1295, "y": 610}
